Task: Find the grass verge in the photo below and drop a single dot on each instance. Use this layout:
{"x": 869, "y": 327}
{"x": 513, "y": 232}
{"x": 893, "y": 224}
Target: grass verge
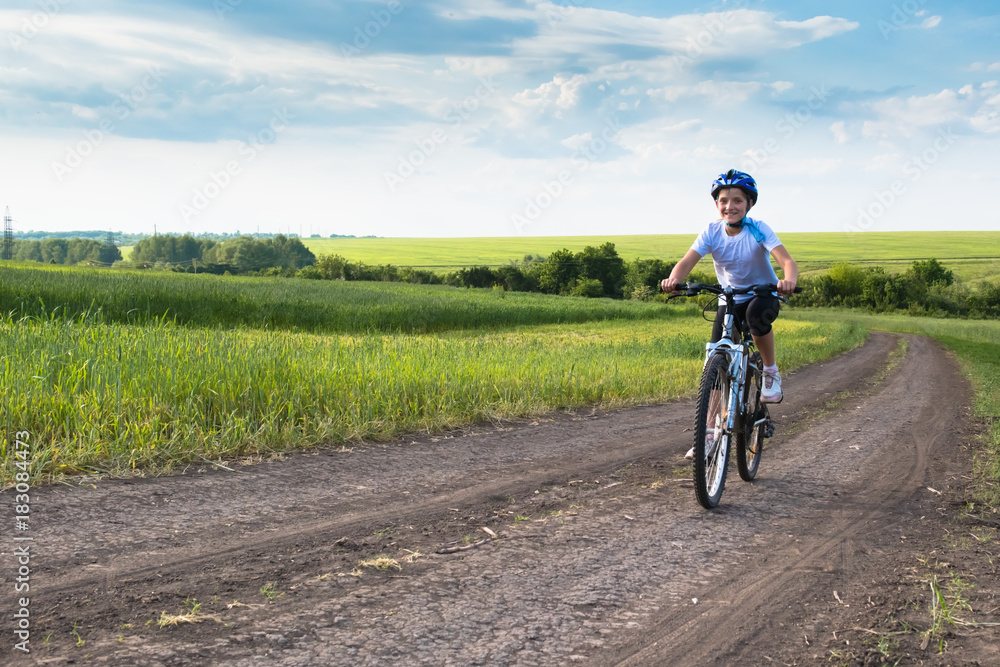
{"x": 121, "y": 399}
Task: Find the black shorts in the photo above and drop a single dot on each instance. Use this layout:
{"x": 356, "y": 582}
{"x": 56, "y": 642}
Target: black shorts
{"x": 759, "y": 312}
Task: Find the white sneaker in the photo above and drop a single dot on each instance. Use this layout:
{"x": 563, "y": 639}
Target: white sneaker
{"x": 771, "y": 392}
{"x": 709, "y": 439}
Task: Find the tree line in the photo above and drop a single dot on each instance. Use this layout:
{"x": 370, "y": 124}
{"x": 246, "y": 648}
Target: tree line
{"x": 242, "y": 255}
{"x": 592, "y": 272}
{"x": 247, "y": 255}
{"x": 66, "y": 251}
{"x": 926, "y": 288}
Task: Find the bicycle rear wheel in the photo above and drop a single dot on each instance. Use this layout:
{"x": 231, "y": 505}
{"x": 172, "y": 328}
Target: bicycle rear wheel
{"x": 750, "y": 438}
{"x": 711, "y": 441}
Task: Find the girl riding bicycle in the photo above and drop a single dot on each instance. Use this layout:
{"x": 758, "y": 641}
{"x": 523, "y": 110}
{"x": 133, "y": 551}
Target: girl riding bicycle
{"x": 740, "y": 247}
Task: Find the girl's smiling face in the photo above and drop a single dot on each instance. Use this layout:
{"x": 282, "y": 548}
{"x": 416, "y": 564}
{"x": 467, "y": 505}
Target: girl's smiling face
{"x": 733, "y": 205}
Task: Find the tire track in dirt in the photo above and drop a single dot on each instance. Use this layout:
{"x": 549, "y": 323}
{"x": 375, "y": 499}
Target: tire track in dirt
{"x": 917, "y": 412}
{"x": 622, "y": 556}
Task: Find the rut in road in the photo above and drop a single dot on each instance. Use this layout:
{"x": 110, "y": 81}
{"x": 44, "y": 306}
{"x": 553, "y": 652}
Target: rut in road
{"x": 604, "y": 571}
{"x": 865, "y": 485}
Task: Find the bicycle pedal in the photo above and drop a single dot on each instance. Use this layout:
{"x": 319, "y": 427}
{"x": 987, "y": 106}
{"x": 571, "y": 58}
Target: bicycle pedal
{"x": 768, "y": 429}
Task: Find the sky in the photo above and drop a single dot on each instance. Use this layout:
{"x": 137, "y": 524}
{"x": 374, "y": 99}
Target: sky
{"x": 465, "y": 118}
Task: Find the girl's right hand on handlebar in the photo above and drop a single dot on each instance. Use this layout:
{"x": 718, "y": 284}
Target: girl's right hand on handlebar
{"x": 669, "y": 285}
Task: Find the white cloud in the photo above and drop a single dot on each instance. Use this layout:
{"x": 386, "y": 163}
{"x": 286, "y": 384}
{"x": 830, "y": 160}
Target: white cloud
{"x": 488, "y": 66}
{"x": 839, "y": 130}
{"x": 213, "y": 71}
{"x": 588, "y": 32}
{"x": 817, "y": 28}
{"x": 484, "y": 9}
{"x": 561, "y": 92}
{"x": 931, "y": 22}
{"x": 85, "y": 113}
{"x": 974, "y": 106}
{"x": 721, "y": 92}
{"x": 987, "y": 118}
{"x": 577, "y": 141}
{"x": 935, "y": 109}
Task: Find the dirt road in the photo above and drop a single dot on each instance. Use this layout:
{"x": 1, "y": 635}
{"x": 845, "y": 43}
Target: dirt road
{"x": 602, "y": 555}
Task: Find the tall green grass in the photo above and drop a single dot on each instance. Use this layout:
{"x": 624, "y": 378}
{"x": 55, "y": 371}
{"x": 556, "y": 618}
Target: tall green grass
{"x": 976, "y": 344}
{"x": 134, "y": 399}
{"x": 136, "y": 297}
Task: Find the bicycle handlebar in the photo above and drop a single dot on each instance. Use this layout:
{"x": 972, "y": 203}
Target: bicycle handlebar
{"x": 694, "y": 289}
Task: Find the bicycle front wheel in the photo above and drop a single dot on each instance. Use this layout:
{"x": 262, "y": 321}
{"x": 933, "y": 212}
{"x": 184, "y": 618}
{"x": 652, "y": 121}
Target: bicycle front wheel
{"x": 711, "y": 439}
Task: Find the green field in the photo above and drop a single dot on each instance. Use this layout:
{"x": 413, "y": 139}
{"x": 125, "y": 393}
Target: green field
{"x": 971, "y": 255}
{"x": 137, "y": 373}
{"x": 817, "y": 250}
{"x": 136, "y": 297}
{"x": 133, "y": 396}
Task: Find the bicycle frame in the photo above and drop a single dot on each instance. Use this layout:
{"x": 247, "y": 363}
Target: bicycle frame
{"x": 738, "y": 355}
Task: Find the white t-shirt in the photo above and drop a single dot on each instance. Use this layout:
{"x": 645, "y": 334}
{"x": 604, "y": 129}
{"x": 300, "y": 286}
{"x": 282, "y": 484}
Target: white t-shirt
{"x": 741, "y": 260}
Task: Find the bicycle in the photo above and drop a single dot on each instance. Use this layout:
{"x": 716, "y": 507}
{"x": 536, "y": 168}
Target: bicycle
{"x": 729, "y": 405}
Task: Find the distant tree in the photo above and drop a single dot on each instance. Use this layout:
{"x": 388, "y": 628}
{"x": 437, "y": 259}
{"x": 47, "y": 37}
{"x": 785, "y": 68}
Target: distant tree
{"x": 589, "y": 287}
{"x": 248, "y": 254}
{"x": 330, "y": 267}
{"x": 882, "y": 291}
{"x": 28, "y": 251}
{"x": 559, "y": 272}
{"x": 477, "y": 276}
{"x": 931, "y": 272}
{"x": 55, "y": 251}
{"x": 170, "y": 249}
{"x": 985, "y": 302}
{"x": 603, "y": 264}
{"x": 515, "y": 279}
{"x": 109, "y": 254}
{"x": 290, "y": 253}
{"x": 645, "y": 273}
{"x": 83, "y": 250}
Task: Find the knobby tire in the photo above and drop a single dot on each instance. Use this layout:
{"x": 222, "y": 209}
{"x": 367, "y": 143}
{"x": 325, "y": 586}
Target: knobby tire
{"x": 710, "y": 461}
{"x": 750, "y": 439}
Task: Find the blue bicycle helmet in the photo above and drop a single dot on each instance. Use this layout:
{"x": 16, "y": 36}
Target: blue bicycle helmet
{"x": 734, "y": 178}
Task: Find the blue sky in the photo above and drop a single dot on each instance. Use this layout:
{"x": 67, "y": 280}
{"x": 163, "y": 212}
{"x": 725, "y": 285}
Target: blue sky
{"x": 496, "y": 117}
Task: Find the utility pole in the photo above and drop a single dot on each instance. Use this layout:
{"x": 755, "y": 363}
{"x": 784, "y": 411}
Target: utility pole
{"x": 8, "y": 236}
